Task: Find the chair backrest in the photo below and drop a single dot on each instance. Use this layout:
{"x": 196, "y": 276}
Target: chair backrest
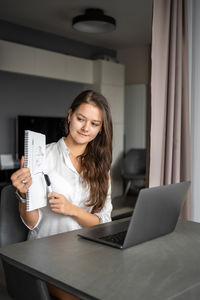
{"x": 20, "y": 284}
{"x": 134, "y": 163}
{"x": 12, "y": 230}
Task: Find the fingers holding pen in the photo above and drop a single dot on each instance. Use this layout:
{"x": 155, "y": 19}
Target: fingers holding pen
{"x": 54, "y": 198}
{"x": 54, "y": 201}
{"x": 59, "y": 204}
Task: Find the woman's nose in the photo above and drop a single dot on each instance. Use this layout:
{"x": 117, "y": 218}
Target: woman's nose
{"x": 85, "y": 126}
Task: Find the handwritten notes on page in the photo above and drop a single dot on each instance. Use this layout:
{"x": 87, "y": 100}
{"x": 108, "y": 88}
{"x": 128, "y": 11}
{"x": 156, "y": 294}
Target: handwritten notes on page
{"x": 34, "y": 159}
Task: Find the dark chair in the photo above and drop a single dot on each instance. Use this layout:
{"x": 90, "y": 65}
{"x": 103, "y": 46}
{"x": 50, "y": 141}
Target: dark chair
{"x": 133, "y": 172}
{"x": 133, "y": 169}
{"x": 20, "y": 285}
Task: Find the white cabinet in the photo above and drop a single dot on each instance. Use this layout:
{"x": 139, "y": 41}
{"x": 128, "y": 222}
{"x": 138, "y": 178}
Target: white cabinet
{"x": 17, "y": 58}
{"x": 38, "y": 62}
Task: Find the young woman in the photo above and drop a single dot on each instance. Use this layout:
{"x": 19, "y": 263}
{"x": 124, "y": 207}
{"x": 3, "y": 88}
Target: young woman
{"x": 78, "y": 166}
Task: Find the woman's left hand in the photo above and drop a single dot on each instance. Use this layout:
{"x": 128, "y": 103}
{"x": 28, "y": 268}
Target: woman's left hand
{"x": 59, "y": 204}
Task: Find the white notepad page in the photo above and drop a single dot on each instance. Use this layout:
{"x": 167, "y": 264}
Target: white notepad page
{"x": 34, "y": 159}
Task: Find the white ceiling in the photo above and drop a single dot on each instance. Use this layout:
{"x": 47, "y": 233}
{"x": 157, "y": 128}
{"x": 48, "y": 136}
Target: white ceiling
{"x": 133, "y": 17}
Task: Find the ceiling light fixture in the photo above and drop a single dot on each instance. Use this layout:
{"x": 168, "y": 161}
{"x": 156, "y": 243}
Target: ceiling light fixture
{"x": 94, "y": 21}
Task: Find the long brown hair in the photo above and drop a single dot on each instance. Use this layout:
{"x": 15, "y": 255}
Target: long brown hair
{"x": 97, "y": 158}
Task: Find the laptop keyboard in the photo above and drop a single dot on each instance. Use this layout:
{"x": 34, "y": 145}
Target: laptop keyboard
{"x": 117, "y": 238}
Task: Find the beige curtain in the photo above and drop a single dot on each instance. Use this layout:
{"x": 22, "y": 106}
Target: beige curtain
{"x": 169, "y": 133}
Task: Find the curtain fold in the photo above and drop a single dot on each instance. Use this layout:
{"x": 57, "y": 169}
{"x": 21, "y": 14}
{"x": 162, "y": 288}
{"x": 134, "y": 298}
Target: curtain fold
{"x": 169, "y": 133}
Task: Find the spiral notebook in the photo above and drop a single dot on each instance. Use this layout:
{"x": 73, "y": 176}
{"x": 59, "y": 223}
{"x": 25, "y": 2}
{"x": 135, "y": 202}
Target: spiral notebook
{"x": 34, "y": 159}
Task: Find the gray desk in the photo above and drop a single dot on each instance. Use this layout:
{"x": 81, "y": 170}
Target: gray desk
{"x": 165, "y": 268}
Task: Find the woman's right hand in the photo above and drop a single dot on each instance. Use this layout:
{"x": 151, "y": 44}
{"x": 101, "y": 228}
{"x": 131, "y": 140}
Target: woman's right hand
{"x": 21, "y": 179}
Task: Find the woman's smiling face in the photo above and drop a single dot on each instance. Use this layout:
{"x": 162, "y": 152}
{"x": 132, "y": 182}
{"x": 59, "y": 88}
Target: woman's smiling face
{"x": 85, "y": 123}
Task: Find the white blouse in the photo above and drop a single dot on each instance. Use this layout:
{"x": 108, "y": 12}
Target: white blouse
{"x": 67, "y": 181}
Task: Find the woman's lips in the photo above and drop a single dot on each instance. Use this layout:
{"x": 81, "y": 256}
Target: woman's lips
{"x": 82, "y": 134}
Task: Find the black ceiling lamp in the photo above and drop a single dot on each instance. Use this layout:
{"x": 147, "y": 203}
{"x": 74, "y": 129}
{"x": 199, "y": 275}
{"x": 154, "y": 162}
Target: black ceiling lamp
{"x": 94, "y": 21}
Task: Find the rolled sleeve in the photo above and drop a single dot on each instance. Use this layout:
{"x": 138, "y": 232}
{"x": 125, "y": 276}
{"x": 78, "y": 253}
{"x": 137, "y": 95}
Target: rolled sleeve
{"x": 105, "y": 214}
{"x": 36, "y": 225}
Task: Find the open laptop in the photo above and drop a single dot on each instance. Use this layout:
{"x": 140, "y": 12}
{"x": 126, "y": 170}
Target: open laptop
{"x": 156, "y": 214}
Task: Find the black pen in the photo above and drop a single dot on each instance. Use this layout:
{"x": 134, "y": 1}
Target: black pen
{"x": 48, "y": 182}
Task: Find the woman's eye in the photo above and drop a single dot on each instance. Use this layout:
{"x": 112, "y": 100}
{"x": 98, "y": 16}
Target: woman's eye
{"x": 95, "y": 124}
{"x": 79, "y": 119}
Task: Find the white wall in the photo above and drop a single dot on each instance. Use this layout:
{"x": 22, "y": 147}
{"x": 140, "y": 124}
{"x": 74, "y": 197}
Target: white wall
{"x": 137, "y": 80}
{"x": 194, "y": 50}
{"x": 135, "y": 116}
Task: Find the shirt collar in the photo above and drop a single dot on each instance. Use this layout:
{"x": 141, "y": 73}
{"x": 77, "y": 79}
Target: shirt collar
{"x": 63, "y": 147}
{"x": 65, "y": 151}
